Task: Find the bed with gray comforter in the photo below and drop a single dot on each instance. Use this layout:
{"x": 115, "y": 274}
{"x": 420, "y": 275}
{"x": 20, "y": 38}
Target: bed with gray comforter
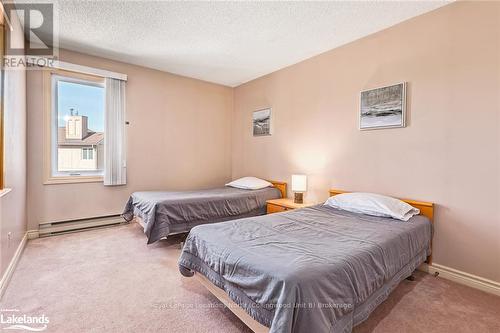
{"x": 315, "y": 269}
{"x": 164, "y": 213}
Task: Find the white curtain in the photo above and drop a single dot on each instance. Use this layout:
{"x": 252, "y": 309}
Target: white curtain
{"x": 115, "y": 167}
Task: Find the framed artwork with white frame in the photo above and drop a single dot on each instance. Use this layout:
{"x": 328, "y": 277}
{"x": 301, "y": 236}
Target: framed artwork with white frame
{"x": 383, "y": 107}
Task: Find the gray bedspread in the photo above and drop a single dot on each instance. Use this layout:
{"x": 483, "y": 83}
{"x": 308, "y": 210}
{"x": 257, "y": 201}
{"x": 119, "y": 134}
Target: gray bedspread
{"x": 165, "y": 212}
{"x": 315, "y": 269}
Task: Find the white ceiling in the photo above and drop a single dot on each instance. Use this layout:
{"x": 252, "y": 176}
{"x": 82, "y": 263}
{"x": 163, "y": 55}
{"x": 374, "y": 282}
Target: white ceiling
{"x": 224, "y": 42}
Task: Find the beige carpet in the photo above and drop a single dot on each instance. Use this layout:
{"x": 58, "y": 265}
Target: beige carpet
{"x": 109, "y": 280}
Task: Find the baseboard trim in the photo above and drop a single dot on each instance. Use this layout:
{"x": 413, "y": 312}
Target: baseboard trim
{"x": 32, "y": 234}
{"x": 12, "y": 265}
{"x": 467, "y": 279}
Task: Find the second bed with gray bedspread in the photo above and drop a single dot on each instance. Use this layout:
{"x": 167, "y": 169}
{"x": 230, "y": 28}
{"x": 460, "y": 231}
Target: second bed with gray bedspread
{"x": 166, "y": 212}
{"x": 316, "y": 269}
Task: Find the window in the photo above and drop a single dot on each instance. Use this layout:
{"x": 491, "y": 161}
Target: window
{"x": 75, "y": 121}
{"x": 87, "y": 153}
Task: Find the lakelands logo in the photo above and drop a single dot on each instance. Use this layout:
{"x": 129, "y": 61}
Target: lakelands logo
{"x": 14, "y": 320}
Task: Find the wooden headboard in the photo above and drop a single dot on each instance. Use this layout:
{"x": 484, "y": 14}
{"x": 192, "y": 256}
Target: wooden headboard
{"x": 280, "y": 186}
{"x": 426, "y": 209}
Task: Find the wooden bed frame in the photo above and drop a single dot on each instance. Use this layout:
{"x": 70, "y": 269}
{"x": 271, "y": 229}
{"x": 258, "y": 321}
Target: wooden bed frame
{"x": 281, "y": 186}
{"x": 221, "y": 295}
{"x": 426, "y": 209}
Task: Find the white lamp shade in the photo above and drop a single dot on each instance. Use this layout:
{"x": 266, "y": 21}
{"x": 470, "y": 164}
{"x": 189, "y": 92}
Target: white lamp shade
{"x": 299, "y": 183}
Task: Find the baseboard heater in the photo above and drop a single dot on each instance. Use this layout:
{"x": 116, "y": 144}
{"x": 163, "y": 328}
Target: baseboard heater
{"x": 60, "y": 227}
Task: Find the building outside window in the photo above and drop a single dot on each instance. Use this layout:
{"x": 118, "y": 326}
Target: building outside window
{"x": 79, "y": 149}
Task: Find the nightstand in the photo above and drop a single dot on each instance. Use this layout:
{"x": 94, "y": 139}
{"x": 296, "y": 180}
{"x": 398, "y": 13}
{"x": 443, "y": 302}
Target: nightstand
{"x": 282, "y": 205}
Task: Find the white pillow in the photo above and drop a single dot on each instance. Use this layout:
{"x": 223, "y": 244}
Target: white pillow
{"x": 373, "y": 204}
{"x": 249, "y": 183}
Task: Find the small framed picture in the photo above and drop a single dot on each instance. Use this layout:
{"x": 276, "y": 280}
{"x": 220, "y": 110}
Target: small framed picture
{"x": 262, "y": 122}
{"x": 383, "y": 107}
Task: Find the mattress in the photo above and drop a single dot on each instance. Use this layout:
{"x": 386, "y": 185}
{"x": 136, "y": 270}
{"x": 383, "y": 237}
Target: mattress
{"x": 315, "y": 269}
{"x": 167, "y": 212}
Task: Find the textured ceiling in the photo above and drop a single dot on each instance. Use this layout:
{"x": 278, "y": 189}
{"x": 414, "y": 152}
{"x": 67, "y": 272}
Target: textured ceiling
{"x": 224, "y": 42}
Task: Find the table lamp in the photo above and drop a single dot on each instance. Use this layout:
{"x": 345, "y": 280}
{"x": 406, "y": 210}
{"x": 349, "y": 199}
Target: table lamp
{"x": 299, "y": 186}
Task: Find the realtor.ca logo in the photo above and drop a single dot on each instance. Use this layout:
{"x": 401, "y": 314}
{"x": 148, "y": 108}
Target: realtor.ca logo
{"x": 13, "y": 319}
{"x": 35, "y": 21}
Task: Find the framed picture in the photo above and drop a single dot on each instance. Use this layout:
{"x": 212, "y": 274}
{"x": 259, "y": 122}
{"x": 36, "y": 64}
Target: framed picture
{"x": 383, "y": 107}
{"x": 262, "y": 122}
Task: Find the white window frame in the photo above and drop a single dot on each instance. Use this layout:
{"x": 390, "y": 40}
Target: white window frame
{"x": 52, "y": 175}
{"x": 86, "y": 152}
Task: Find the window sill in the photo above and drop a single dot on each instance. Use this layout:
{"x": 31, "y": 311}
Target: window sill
{"x": 73, "y": 180}
{"x": 4, "y": 191}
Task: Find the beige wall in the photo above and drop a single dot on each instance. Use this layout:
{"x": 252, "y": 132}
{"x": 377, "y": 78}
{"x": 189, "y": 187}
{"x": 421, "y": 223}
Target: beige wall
{"x": 449, "y": 153}
{"x": 178, "y": 138}
{"x": 13, "y": 204}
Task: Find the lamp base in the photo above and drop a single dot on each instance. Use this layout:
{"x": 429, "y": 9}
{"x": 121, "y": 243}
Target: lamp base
{"x": 299, "y": 198}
